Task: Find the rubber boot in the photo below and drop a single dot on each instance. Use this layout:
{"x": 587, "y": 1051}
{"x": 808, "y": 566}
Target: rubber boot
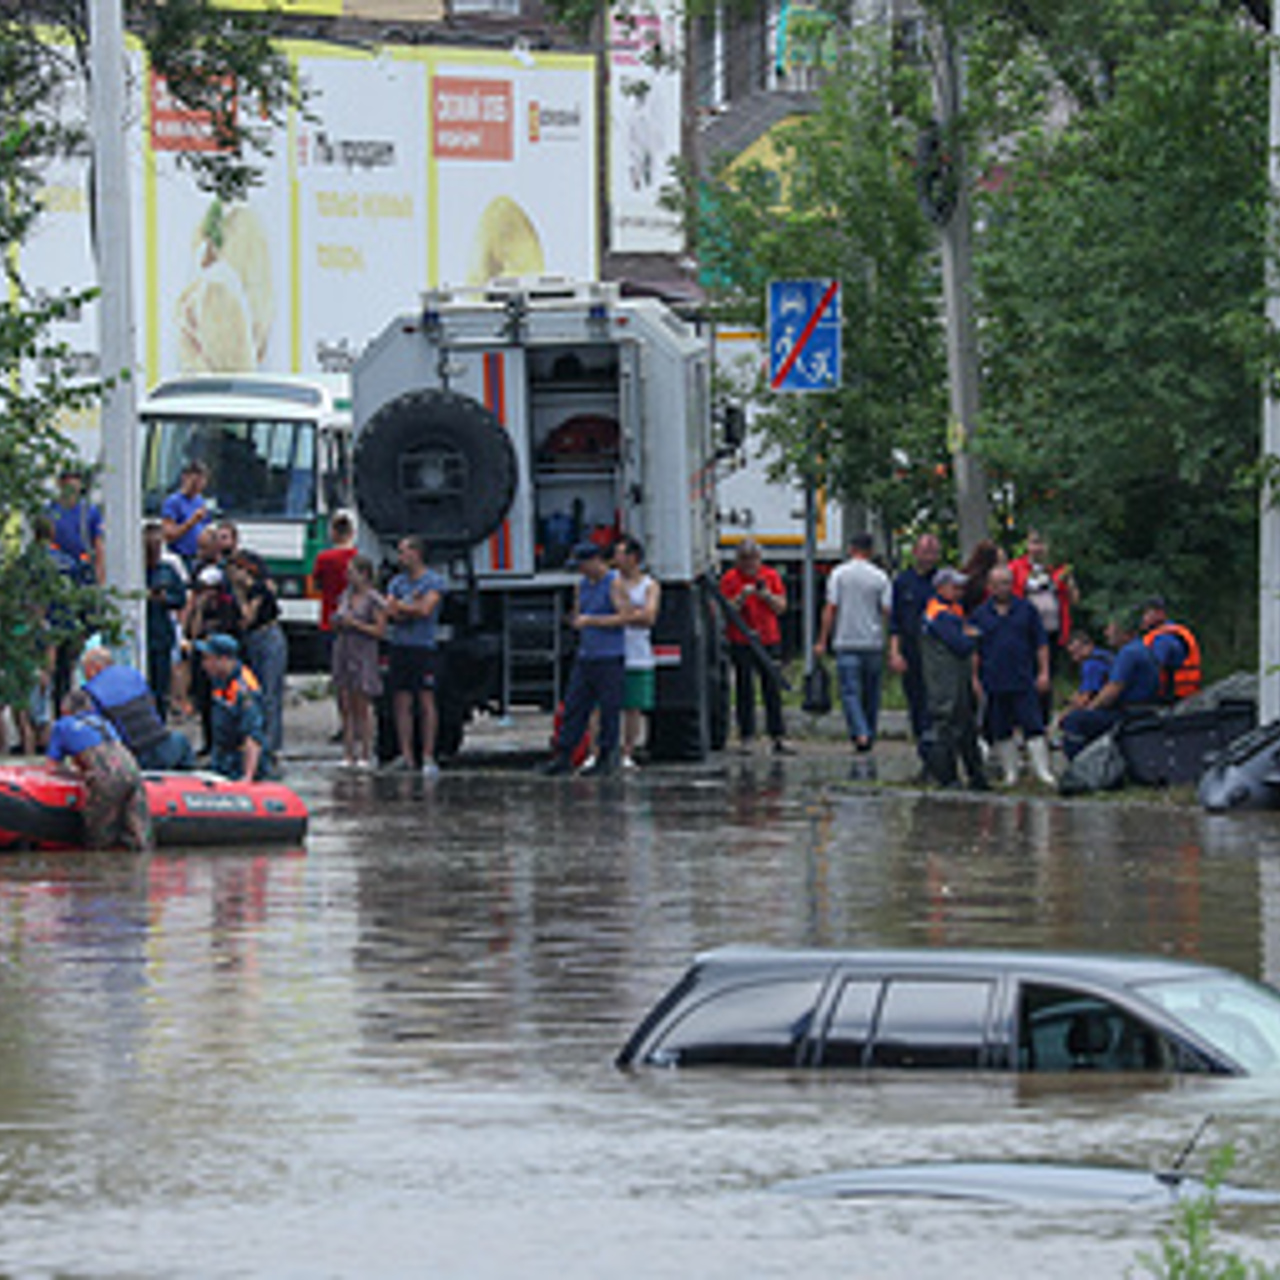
{"x": 1007, "y": 754}
{"x": 1038, "y": 750}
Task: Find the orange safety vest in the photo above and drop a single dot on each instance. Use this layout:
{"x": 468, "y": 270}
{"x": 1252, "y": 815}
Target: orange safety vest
{"x": 244, "y": 680}
{"x": 1185, "y": 680}
{"x": 936, "y": 605}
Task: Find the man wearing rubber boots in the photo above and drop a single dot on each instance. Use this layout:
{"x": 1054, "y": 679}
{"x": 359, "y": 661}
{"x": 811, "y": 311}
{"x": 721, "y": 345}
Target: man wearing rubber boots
{"x": 947, "y": 645}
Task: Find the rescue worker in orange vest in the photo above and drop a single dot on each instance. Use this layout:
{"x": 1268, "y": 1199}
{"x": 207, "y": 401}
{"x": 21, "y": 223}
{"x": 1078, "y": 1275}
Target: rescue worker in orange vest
{"x": 947, "y": 646}
{"x": 239, "y": 727}
{"x": 1175, "y": 649}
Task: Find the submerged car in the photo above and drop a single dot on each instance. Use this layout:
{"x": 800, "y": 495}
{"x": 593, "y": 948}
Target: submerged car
{"x": 959, "y": 1010}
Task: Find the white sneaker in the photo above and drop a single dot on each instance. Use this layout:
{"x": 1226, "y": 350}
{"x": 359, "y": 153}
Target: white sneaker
{"x": 363, "y": 765}
{"x": 629, "y": 763}
{"x": 430, "y": 769}
{"x": 588, "y": 762}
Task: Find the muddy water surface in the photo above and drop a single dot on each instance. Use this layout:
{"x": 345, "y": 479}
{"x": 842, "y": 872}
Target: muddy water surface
{"x": 391, "y": 1056}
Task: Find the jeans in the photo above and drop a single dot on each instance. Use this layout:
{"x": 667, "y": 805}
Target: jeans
{"x": 267, "y": 656}
{"x": 859, "y": 672}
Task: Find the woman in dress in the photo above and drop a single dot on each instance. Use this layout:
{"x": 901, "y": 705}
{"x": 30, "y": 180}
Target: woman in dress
{"x": 359, "y": 622}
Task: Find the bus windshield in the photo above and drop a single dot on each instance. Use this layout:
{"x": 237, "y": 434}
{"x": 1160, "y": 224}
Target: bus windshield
{"x": 258, "y": 467}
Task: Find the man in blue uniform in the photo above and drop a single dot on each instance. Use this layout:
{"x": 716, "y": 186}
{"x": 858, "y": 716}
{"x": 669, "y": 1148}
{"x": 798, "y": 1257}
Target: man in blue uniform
{"x": 1094, "y": 663}
{"x": 239, "y": 727}
{"x": 186, "y": 511}
{"x": 600, "y": 613}
{"x": 78, "y": 529}
{"x": 1134, "y": 681}
{"x": 911, "y": 591}
{"x": 1013, "y": 666}
{"x": 121, "y": 695}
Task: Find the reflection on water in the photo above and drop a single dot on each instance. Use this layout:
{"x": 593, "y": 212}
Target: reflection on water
{"x": 392, "y": 1054}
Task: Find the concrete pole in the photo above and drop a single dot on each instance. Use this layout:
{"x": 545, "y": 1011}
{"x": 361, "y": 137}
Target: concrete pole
{"x": 121, "y": 485}
{"x": 972, "y": 505}
{"x": 1269, "y": 521}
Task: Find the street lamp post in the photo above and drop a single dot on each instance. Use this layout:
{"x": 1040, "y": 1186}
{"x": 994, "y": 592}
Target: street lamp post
{"x": 121, "y": 485}
{"x": 1269, "y": 522}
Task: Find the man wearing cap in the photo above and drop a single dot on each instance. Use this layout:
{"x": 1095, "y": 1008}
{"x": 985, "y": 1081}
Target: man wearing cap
{"x": 239, "y": 730}
{"x": 186, "y": 511}
{"x": 1134, "y": 681}
{"x": 122, "y": 696}
{"x": 78, "y": 529}
{"x": 1175, "y": 649}
{"x": 414, "y": 597}
{"x": 600, "y": 613}
{"x": 947, "y": 646}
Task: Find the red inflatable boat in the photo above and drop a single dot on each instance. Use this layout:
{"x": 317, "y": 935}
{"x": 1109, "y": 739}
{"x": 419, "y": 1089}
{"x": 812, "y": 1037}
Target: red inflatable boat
{"x": 40, "y": 809}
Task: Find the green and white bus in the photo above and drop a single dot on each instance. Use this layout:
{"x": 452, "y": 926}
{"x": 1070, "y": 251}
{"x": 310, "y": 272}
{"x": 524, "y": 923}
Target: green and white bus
{"x": 278, "y": 450}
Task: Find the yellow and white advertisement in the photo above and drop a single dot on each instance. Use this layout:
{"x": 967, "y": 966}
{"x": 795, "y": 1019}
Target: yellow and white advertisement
{"x": 410, "y": 167}
{"x": 514, "y": 151}
{"x": 361, "y": 181}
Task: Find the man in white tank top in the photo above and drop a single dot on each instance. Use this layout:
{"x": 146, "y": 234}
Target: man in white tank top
{"x": 643, "y": 598}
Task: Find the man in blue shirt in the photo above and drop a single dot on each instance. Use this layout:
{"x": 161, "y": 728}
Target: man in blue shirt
{"x": 187, "y": 510}
{"x": 601, "y": 612}
{"x": 911, "y": 591}
{"x": 1013, "y": 666}
{"x": 1094, "y": 663}
{"x": 78, "y": 529}
{"x": 123, "y": 697}
{"x": 414, "y": 597}
{"x": 1134, "y": 681}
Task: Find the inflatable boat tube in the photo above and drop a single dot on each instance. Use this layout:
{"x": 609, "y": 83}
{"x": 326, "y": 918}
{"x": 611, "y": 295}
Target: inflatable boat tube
{"x": 1246, "y": 775}
{"x": 40, "y": 809}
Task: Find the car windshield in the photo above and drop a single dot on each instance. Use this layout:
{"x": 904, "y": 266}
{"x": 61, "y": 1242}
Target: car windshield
{"x": 1241, "y": 1018}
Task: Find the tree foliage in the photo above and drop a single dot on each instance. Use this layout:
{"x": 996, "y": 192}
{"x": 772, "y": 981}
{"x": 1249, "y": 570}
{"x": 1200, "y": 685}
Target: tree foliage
{"x": 841, "y": 202}
{"x": 216, "y": 61}
{"x": 1122, "y": 284}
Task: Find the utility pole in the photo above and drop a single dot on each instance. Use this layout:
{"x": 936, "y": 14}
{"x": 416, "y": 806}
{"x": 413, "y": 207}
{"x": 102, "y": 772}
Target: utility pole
{"x": 1269, "y": 519}
{"x": 121, "y": 486}
{"x": 950, "y": 210}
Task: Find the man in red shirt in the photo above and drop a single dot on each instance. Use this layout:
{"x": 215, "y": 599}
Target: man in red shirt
{"x": 759, "y": 596}
{"x": 329, "y": 577}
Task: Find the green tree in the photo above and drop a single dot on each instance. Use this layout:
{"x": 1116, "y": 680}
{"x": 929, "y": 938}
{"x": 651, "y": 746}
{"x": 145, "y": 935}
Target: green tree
{"x": 215, "y": 61}
{"x": 841, "y": 202}
{"x": 1121, "y": 275}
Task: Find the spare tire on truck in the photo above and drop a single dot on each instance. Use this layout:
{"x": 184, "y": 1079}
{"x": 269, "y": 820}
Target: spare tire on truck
{"x": 436, "y": 464}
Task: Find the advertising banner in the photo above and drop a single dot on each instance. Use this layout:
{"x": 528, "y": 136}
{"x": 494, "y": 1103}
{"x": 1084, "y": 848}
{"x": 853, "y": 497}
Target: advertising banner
{"x": 644, "y": 131}
{"x": 362, "y": 233}
{"x": 514, "y": 149}
{"x": 217, "y": 272}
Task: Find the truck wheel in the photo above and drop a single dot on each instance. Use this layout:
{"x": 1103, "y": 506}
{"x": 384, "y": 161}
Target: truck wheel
{"x": 436, "y": 464}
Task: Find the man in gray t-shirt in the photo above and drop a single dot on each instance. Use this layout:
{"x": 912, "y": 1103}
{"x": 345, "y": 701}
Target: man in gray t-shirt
{"x": 859, "y": 594}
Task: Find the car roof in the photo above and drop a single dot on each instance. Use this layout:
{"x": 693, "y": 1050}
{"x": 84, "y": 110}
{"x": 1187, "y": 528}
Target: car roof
{"x": 737, "y": 961}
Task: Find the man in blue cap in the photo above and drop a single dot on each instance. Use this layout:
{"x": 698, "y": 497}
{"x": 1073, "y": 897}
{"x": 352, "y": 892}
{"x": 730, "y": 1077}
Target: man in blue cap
{"x": 600, "y": 613}
{"x": 239, "y": 728}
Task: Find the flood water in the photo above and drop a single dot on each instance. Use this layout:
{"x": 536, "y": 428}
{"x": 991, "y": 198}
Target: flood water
{"x": 391, "y": 1056}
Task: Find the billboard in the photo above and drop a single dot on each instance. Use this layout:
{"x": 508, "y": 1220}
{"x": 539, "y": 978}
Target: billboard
{"x": 644, "y": 128}
{"x": 410, "y": 167}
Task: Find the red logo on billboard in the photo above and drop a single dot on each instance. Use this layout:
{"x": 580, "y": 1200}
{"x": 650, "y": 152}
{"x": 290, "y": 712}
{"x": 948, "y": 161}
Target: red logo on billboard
{"x": 472, "y": 119}
{"x": 177, "y": 127}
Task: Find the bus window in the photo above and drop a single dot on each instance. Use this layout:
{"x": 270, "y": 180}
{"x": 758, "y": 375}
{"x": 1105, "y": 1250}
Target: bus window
{"x": 259, "y": 468}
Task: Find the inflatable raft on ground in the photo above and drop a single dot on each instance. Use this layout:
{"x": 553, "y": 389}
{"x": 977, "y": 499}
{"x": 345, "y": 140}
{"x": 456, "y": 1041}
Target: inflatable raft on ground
{"x": 40, "y": 809}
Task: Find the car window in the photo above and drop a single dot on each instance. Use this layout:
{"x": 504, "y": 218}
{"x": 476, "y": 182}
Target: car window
{"x": 757, "y": 1024}
{"x": 849, "y": 1029}
{"x": 1240, "y": 1018}
{"x": 1061, "y": 1029}
{"x": 932, "y": 1024}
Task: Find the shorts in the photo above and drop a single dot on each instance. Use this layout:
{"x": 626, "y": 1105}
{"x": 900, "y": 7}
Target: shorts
{"x": 637, "y": 689}
{"x": 411, "y": 669}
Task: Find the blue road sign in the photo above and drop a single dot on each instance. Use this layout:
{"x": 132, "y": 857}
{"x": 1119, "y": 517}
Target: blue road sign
{"x": 804, "y": 335}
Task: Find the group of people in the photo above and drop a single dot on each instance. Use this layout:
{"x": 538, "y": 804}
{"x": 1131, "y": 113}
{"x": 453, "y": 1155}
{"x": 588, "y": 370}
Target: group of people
{"x": 977, "y": 648}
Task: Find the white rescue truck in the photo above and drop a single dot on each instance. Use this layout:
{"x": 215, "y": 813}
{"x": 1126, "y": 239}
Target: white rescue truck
{"x": 508, "y": 424}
